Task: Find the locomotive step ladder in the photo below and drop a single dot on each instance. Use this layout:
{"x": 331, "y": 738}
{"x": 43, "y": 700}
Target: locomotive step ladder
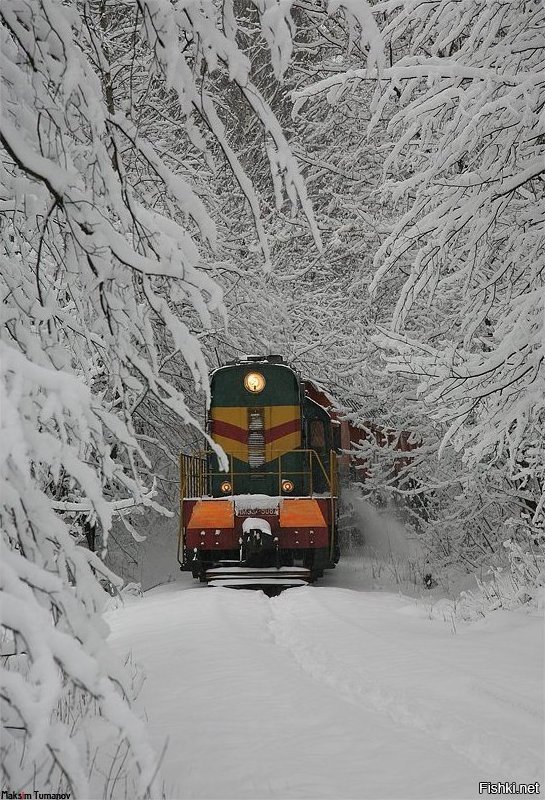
{"x": 237, "y": 576}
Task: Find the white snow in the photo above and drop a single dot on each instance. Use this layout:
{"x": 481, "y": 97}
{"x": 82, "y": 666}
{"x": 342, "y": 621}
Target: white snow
{"x": 325, "y": 692}
{"x": 256, "y": 524}
{"x": 249, "y": 502}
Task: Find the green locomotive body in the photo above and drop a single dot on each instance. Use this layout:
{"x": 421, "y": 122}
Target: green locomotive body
{"x": 272, "y": 515}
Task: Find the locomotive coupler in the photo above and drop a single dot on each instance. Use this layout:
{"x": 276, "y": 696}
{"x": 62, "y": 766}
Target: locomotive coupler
{"x": 259, "y": 548}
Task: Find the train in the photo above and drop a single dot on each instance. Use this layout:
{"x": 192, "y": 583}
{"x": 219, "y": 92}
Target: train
{"x": 268, "y": 516}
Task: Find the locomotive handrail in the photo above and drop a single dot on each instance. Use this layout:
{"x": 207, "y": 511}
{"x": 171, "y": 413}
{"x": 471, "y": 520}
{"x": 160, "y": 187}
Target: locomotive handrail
{"x": 313, "y": 454}
{"x": 195, "y": 473}
{"x": 195, "y": 477}
{"x": 333, "y": 469}
{"x": 193, "y": 481}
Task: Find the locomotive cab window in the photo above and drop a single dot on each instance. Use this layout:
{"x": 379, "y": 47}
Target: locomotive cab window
{"x": 317, "y": 435}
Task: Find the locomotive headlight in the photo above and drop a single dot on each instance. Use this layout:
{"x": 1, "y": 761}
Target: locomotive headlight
{"x": 254, "y": 382}
{"x": 225, "y": 487}
{"x": 287, "y": 486}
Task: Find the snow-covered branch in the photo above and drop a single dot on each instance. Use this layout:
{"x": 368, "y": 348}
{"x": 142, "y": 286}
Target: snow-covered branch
{"x": 108, "y": 236}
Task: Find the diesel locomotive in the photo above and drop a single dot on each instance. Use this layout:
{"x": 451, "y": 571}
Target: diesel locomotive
{"x": 271, "y": 516}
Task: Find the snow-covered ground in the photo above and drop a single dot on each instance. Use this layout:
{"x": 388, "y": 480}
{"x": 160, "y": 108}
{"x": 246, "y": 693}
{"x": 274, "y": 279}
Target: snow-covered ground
{"x": 325, "y": 692}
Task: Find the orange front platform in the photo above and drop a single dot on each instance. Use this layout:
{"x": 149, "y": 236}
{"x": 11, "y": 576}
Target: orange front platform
{"x": 213, "y": 524}
{"x": 212, "y": 514}
{"x": 301, "y": 513}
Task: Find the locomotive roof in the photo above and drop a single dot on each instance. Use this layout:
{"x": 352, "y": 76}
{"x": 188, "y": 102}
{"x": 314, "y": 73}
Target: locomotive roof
{"x": 313, "y": 390}
{"x": 271, "y": 360}
{"x": 282, "y": 385}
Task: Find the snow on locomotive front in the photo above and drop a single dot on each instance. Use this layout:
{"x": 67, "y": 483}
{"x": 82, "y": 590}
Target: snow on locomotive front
{"x": 271, "y": 518}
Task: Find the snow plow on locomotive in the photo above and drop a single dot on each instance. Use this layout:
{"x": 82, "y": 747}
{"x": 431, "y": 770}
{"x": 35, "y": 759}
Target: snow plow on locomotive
{"x": 270, "y": 519}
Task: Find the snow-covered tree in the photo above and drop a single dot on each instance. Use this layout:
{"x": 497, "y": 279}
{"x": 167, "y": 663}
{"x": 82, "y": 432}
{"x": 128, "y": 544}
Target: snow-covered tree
{"x": 472, "y": 140}
{"x": 109, "y": 129}
{"x": 314, "y": 306}
{"x": 464, "y": 95}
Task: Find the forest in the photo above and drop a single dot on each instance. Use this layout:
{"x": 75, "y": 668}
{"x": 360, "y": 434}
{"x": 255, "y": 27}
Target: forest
{"x": 357, "y": 185}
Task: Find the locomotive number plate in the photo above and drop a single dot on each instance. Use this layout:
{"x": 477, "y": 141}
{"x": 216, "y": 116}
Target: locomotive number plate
{"x": 254, "y": 512}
